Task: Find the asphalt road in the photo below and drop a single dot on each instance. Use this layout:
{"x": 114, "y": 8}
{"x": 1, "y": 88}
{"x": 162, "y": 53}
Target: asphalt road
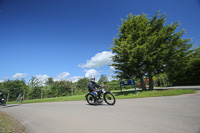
{"x": 173, "y": 114}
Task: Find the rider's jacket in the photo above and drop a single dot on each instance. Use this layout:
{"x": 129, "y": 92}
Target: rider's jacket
{"x": 1, "y": 96}
{"x": 92, "y": 85}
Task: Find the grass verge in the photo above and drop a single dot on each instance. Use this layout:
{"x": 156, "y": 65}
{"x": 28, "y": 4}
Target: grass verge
{"x": 154, "y": 93}
{"x": 125, "y": 95}
{"x": 9, "y": 124}
{"x": 56, "y": 99}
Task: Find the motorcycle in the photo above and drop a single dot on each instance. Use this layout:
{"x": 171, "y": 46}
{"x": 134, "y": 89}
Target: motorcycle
{"x": 108, "y": 97}
{"x": 2, "y": 102}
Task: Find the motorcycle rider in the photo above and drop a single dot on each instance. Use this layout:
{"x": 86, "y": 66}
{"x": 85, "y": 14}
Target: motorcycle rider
{"x": 1, "y": 97}
{"x": 92, "y": 89}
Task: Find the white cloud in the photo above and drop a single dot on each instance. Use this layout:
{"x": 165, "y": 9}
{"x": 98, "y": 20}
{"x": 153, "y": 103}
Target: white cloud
{"x": 100, "y": 59}
{"x": 91, "y": 73}
{"x": 112, "y": 68}
{"x": 61, "y": 76}
{"x": 75, "y": 78}
{"x": 19, "y": 75}
{"x": 110, "y": 77}
{"x": 5, "y": 78}
{"x": 42, "y": 76}
{"x": 42, "y": 79}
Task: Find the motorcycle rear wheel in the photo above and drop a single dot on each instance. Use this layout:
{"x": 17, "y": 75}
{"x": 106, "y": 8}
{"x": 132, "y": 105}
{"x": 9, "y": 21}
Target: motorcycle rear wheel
{"x": 90, "y": 99}
{"x": 3, "y": 103}
{"x": 109, "y": 98}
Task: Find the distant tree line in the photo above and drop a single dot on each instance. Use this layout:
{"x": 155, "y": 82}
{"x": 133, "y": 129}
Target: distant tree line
{"x": 11, "y": 89}
{"x": 36, "y": 89}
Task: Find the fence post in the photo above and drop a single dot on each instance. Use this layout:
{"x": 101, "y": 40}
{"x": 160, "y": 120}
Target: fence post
{"x": 24, "y": 93}
{"x": 8, "y": 97}
{"x": 42, "y": 92}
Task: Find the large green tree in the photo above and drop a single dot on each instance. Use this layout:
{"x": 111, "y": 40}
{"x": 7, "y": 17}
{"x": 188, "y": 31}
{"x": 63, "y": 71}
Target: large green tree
{"x": 145, "y": 46}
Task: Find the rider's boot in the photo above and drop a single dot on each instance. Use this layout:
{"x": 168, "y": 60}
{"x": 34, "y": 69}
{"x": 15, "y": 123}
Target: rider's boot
{"x": 95, "y": 101}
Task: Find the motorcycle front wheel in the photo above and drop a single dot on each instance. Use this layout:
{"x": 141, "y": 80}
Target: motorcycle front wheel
{"x": 109, "y": 98}
{"x": 90, "y": 99}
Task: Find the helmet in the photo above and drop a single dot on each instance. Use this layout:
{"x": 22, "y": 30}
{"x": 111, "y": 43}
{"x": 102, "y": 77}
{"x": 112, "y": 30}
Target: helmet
{"x": 93, "y": 79}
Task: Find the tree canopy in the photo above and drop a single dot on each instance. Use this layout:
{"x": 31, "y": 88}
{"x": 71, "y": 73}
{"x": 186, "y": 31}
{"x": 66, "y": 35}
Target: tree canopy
{"x": 103, "y": 80}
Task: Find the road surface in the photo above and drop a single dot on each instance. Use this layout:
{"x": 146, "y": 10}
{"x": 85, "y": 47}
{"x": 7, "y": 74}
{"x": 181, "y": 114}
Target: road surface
{"x": 172, "y": 114}
{"x": 197, "y": 87}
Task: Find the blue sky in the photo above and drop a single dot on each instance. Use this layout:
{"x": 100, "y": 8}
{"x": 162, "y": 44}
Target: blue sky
{"x": 68, "y": 40}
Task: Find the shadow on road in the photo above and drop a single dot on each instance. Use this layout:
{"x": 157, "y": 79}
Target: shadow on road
{"x": 100, "y": 105}
{"x": 8, "y": 106}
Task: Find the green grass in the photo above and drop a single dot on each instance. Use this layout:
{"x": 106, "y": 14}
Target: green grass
{"x": 56, "y": 99}
{"x": 5, "y": 126}
{"x": 125, "y": 95}
{"x": 9, "y": 124}
{"x": 154, "y": 93}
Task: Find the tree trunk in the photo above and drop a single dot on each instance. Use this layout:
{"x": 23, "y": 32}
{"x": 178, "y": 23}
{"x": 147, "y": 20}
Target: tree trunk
{"x": 163, "y": 81}
{"x": 150, "y": 82}
{"x": 142, "y": 83}
{"x": 154, "y": 82}
{"x": 160, "y": 81}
